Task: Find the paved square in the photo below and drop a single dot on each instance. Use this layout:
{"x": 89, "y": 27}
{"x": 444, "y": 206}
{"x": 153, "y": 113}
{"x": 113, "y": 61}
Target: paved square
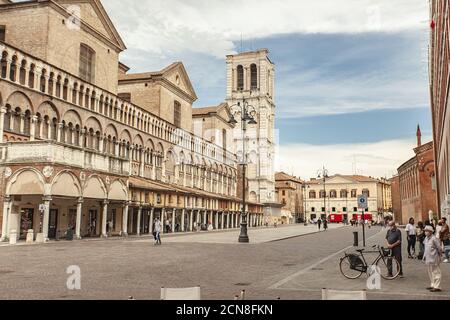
{"x": 295, "y": 268}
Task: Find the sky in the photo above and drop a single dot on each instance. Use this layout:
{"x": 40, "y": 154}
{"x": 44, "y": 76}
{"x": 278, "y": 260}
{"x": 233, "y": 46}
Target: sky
{"x": 351, "y": 75}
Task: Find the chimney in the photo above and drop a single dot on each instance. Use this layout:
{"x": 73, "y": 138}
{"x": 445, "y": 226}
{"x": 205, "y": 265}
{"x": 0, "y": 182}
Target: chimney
{"x": 419, "y": 136}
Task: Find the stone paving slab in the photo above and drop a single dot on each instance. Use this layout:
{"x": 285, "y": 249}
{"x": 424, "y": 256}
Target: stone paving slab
{"x": 119, "y": 269}
{"x": 257, "y": 236}
{"x": 317, "y": 276}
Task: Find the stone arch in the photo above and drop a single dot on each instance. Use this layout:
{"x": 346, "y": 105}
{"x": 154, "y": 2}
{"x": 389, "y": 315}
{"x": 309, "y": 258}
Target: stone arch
{"x": 125, "y": 136}
{"x": 160, "y": 148}
{"x": 138, "y": 140}
{"x": 94, "y": 124}
{"x": 94, "y": 188}
{"x": 111, "y": 131}
{"x": 170, "y": 162}
{"x": 47, "y": 108}
{"x": 66, "y": 184}
{"x": 27, "y": 181}
{"x": 72, "y": 116}
{"x": 118, "y": 191}
{"x": 150, "y": 144}
{"x": 20, "y": 99}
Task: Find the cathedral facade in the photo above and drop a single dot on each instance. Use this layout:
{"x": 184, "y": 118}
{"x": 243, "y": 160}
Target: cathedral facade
{"x": 87, "y": 146}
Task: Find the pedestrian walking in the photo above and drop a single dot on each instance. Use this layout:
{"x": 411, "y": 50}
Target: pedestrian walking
{"x": 420, "y": 236}
{"x": 157, "y": 231}
{"x": 445, "y": 238}
{"x": 411, "y": 237}
{"x": 394, "y": 242}
{"x": 319, "y": 223}
{"x": 167, "y": 225}
{"x": 325, "y": 225}
{"x": 432, "y": 258}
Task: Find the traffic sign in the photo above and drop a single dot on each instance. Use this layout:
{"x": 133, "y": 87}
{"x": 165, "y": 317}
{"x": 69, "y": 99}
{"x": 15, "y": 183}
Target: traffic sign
{"x": 362, "y": 202}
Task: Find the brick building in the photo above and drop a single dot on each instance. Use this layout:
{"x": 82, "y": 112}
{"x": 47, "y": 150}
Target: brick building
{"x": 417, "y": 182}
{"x": 289, "y": 193}
{"x": 439, "y": 83}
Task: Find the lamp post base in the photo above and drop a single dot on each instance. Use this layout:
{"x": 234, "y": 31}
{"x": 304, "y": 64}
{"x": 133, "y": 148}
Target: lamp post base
{"x": 243, "y": 237}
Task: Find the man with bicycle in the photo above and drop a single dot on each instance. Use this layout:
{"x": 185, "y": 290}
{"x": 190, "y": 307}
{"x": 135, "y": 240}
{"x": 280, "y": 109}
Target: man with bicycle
{"x": 394, "y": 242}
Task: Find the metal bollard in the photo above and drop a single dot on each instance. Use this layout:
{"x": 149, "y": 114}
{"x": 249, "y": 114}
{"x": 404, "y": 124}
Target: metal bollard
{"x": 355, "y": 239}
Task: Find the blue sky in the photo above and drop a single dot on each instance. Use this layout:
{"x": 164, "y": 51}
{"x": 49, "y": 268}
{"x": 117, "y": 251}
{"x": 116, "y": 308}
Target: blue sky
{"x": 350, "y": 74}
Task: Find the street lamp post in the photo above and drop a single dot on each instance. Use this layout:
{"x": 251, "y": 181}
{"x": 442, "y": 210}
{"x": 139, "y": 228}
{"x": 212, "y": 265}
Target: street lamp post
{"x": 323, "y": 173}
{"x": 305, "y": 193}
{"x": 247, "y": 114}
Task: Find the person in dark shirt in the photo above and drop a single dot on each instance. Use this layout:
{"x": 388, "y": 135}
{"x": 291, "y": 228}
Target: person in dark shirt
{"x": 394, "y": 242}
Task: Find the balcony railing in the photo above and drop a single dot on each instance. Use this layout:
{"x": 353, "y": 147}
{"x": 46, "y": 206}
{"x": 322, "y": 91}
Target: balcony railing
{"x": 52, "y": 152}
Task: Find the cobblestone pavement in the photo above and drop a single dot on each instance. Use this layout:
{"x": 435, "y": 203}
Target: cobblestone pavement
{"x": 257, "y": 236}
{"x": 295, "y": 268}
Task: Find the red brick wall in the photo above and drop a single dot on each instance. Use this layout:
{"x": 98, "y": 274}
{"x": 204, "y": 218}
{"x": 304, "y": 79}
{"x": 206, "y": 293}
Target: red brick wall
{"x": 426, "y": 172}
{"x": 396, "y": 199}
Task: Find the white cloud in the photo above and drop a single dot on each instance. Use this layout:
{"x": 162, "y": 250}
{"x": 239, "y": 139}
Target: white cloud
{"x": 360, "y": 93}
{"x": 379, "y": 159}
{"x": 211, "y": 26}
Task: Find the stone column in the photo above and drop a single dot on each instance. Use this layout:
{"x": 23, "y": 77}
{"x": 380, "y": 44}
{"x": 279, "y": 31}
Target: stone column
{"x": 49, "y": 129}
{"x": 183, "y": 216}
{"x": 2, "y": 121}
{"x": 79, "y": 215}
{"x": 141, "y": 163}
{"x": 222, "y": 220}
{"x": 198, "y": 217}
{"x": 116, "y": 149}
{"x": 82, "y": 132}
{"x": 153, "y": 167}
{"x": 151, "y": 220}
{"x": 139, "y": 221}
{"x": 217, "y": 221}
{"x": 101, "y": 143}
{"x": 191, "y": 221}
{"x": 8, "y": 68}
{"x": 174, "y": 213}
{"x": 34, "y": 119}
{"x": 205, "y": 218}
{"x": 163, "y": 220}
{"x": 105, "y": 218}
{"x": 6, "y": 212}
{"x": 27, "y": 77}
{"x": 45, "y": 223}
{"x": 22, "y": 123}
{"x": 58, "y": 133}
{"x": 125, "y": 220}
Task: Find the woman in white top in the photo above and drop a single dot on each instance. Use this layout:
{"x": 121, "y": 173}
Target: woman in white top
{"x": 411, "y": 234}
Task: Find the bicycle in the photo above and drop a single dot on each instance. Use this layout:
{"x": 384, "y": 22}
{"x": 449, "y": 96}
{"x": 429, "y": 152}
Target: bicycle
{"x": 352, "y": 266}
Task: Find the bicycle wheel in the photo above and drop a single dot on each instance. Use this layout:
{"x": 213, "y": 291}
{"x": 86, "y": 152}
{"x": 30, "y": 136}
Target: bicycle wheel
{"x": 346, "y": 269}
{"x": 389, "y": 268}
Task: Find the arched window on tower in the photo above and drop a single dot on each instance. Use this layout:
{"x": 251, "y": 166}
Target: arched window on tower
{"x": 240, "y": 78}
{"x": 254, "y": 77}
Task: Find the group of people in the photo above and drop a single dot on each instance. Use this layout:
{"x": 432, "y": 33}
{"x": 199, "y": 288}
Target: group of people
{"x": 434, "y": 242}
{"x": 325, "y": 224}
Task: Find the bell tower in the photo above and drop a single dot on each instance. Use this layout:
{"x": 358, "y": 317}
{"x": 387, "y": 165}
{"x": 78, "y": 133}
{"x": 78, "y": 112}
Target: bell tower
{"x": 250, "y": 77}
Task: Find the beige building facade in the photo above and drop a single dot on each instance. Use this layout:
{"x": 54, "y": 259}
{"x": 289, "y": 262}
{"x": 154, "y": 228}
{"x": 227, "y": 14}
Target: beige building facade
{"x": 338, "y": 199}
{"x": 290, "y": 193}
{"x": 87, "y": 146}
